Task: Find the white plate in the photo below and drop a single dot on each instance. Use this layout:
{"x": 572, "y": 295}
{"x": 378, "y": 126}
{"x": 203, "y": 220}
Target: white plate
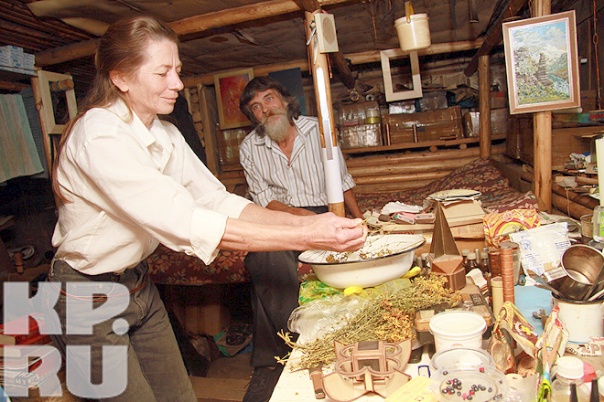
{"x": 454, "y": 194}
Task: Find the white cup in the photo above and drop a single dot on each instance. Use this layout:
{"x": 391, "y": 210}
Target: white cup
{"x": 581, "y": 319}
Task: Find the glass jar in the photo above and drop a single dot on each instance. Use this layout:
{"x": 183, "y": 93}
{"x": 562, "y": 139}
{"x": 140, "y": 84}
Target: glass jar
{"x": 372, "y": 115}
{"x": 598, "y": 223}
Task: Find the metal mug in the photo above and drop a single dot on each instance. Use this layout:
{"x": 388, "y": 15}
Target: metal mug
{"x": 583, "y": 266}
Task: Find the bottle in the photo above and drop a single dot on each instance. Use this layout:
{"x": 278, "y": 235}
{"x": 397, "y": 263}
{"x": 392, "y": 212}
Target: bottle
{"x": 569, "y": 371}
{"x": 484, "y": 263}
{"x": 593, "y": 397}
{"x": 425, "y": 261}
{"x": 464, "y": 255}
{"x": 471, "y": 262}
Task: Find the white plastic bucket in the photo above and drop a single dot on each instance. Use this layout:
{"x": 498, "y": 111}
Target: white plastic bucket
{"x": 453, "y": 329}
{"x": 413, "y": 34}
{"x": 581, "y": 319}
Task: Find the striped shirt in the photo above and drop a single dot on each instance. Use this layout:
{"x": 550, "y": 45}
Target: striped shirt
{"x": 299, "y": 182}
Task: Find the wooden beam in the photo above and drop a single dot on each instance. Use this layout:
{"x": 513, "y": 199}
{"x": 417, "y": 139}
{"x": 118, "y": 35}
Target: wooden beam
{"x": 542, "y": 138}
{"x": 189, "y": 25}
{"x": 484, "y": 105}
{"x": 308, "y": 5}
{"x": 66, "y": 53}
{"x": 340, "y": 64}
{"x": 327, "y": 128}
{"x": 337, "y": 59}
{"x": 494, "y": 36}
{"x": 12, "y": 86}
{"x": 233, "y": 16}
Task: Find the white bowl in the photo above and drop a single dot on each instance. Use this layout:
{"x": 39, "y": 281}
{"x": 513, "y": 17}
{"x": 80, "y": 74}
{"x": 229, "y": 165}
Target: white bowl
{"x": 461, "y": 358}
{"x": 382, "y": 258}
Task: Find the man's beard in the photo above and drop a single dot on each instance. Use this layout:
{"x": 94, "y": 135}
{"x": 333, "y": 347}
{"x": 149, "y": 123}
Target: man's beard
{"x": 278, "y": 128}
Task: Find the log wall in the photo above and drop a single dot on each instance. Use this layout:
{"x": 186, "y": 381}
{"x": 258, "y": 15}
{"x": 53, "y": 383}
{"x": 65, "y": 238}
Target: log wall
{"x": 408, "y": 170}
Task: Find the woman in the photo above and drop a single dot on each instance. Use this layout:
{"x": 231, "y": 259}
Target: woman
{"x": 126, "y": 181}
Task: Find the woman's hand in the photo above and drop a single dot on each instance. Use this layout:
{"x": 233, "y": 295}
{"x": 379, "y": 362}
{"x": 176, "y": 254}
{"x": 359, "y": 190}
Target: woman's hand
{"x": 331, "y": 232}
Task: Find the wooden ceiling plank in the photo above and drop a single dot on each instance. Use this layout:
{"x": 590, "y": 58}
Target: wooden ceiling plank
{"x": 36, "y": 39}
{"x": 198, "y": 23}
{"x": 54, "y": 28}
{"x": 494, "y": 36}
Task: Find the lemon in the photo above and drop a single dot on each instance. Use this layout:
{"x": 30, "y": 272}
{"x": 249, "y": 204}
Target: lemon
{"x": 353, "y": 290}
{"x": 412, "y": 272}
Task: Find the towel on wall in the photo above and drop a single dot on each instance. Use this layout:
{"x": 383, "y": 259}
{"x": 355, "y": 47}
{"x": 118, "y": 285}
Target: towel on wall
{"x": 18, "y": 155}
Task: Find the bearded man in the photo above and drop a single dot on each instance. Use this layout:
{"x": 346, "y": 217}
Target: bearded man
{"x": 284, "y": 170}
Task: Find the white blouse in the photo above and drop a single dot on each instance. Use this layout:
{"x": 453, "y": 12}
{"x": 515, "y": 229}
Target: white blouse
{"x": 130, "y": 188}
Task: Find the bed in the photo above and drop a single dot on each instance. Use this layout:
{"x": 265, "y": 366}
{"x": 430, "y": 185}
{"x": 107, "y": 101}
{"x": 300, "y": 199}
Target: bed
{"x": 173, "y": 268}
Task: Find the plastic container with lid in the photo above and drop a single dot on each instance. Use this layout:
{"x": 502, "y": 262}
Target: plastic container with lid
{"x": 457, "y": 328}
{"x": 569, "y": 370}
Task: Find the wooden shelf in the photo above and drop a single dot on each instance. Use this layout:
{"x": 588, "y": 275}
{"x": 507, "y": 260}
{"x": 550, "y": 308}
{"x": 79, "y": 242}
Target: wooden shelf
{"x": 12, "y": 81}
{"x": 9, "y": 75}
{"x": 421, "y": 144}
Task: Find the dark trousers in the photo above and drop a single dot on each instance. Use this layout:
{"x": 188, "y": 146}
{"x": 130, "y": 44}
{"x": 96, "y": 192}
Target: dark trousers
{"x": 154, "y": 368}
{"x": 275, "y": 289}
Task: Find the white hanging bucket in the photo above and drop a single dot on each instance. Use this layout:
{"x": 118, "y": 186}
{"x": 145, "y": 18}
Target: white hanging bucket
{"x": 413, "y": 32}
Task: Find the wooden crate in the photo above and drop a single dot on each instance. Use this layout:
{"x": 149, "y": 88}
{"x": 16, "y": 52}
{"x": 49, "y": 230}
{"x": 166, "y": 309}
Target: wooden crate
{"x": 424, "y": 126}
{"x": 499, "y": 123}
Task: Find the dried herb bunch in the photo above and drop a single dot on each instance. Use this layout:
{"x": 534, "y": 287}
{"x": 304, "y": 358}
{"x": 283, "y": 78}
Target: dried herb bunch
{"x": 387, "y": 317}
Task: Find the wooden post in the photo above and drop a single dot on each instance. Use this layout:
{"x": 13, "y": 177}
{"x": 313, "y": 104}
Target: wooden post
{"x": 542, "y": 138}
{"x": 46, "y": 139}
{"x": 209, "y": 130}
{"x": 320, "y": 72}
{"x": 484, "y": 107}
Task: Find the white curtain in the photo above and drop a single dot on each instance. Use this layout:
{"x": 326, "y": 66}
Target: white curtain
{"x": 18, "y": 154}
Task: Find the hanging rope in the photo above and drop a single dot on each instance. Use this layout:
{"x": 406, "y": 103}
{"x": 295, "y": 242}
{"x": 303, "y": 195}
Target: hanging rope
{"x": 595, "y": 41}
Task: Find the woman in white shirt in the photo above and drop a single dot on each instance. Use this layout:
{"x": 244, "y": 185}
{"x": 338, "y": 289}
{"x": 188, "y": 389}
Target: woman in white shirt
{"x": 126, "y": 181}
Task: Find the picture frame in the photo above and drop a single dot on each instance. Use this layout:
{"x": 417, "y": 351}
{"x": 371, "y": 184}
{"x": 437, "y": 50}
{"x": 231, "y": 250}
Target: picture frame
{"x": 542, "y": 63}
{"x": 229, "y": 85}
{"x": 391, "y": 95}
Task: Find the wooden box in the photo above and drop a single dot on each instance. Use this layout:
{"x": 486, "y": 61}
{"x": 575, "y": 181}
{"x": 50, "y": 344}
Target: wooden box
{"x": 363, "y": 135}
{"x": 433, "y": 125}
{"x": 499, "y": 123}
